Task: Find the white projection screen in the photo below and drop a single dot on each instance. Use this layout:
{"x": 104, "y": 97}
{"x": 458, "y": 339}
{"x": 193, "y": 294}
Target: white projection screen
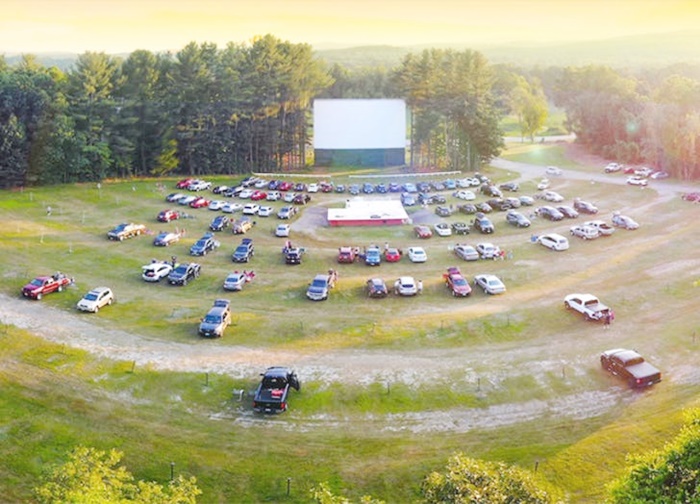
{"x": 359, "y": 132}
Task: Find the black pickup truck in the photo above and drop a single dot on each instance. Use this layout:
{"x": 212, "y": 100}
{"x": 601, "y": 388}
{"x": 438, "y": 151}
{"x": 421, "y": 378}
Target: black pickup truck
{"x": 271, "y": 394}
{"x": 630, "y": 366}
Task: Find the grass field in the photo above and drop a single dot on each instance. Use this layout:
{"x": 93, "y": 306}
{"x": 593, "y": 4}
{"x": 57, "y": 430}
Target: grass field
{"x": 391, "y": 388}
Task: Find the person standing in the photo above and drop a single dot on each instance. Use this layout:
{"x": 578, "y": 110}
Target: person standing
{"x": 606, "y": 320}
{"x": 420, "y": 286}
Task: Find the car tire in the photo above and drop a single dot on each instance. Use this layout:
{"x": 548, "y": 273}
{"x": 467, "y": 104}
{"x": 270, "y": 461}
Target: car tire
{"x": 60, "y": 288}
{"x": 39, "y": 296}
{"x": 184, "y": 282}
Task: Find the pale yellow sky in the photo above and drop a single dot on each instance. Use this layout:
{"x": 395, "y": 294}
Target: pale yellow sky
{"x": 122, "y": 26}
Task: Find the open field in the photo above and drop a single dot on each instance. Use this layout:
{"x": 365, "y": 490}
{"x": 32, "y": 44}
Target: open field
{"x": 390, "y": 387}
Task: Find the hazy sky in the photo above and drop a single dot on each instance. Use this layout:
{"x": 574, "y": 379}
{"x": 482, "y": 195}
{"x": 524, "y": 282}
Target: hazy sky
{"x": 122, "y": 26}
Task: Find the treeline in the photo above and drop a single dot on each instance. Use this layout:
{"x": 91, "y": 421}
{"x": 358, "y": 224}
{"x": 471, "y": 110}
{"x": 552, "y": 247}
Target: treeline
{"x": 247, "y": 107}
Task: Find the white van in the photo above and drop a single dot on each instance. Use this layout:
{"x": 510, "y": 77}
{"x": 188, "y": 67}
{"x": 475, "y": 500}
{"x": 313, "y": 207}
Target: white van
{"x": 554, "y": 241}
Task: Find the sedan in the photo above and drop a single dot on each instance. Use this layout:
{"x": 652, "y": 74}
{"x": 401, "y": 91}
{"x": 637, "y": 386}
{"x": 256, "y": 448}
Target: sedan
{"x": 517, "y": 219}
{"x": 585, "y": 207}
{"x": 199, "y": 203}
{"x": 488, "y": 250}
{"x": 231, "y": 207}
{"x": 551, "y": 213}
{"x": 282, "y": 230}
{"x": 174, "y": 197}
{"x": 273, "y": 196}
{"x": 552, "y": 196}
{"x": 216, "y": 205}
{"x": 636, "y": 180}
{"x": 392, "y": 255}
{"x": 265, "y": 211}
{"x": 165, "y": 238}
{"x": 423, "y": 232}
{"x": 553, "y": 171}
{"x": 466, "y": 252}
{"x": 235, "y": 281}
{"x": 569, "y": 212}
{"x": 510, "y": 186}
{"x": 168, "y": 215}
{"x": 624, "y": 222}
{"x": 490, "y": 284}
{"x": 258, "y": 195}
{"x": 464, "y": 195}
{"x": 417, "y": 254}
{"x": 376, "y": 288}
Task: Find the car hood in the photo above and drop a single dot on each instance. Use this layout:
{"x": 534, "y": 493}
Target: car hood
{"x": 30, "y": 287}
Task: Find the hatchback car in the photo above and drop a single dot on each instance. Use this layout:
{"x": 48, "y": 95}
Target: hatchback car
{"x": 417, "y": 254}
{"x": 553, "y": 241}
{"x": 405, "y": 286}
{"x": 376, "y": 288}
{"x": 97, "y": 298}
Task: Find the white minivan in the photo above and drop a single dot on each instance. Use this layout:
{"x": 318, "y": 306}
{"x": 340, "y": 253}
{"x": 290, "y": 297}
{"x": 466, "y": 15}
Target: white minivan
{"x": 554, "y": 241}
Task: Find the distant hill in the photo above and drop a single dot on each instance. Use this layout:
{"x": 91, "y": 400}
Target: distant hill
{"x": 652, "y": 50}
{"x": 632, "y": 51}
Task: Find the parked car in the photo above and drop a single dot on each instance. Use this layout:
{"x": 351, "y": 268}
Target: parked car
{"x": 126, "y": 230}
{"x": 552, "y": 196}
{"x": 517, "y": 219}
{"x": 273, "y": 196}
{"x": 465, "y": 195}
{"x": 417, "y": 254}
{"x": 612, "y": 167}
{"x": 466, "y": 252}
{"x": 207, "y": 243}
{"x": 242, "y": 225}
{"x": 265, "y": 211}
{"x": 347, "y": 255}
{"x": 184, "y": 183}
{"x": 376, "y": 288}
{"x": 484, "y": 207}
{"x": 526, "y": 200}
{"x": 500, "y": 204}
{"x": 217, "y": 319}
{"x": 156, "y": 271}
{"x": 272, "y": 394}
{"x": 236, "y": 281}
{"x": 630, "y": 366}
{"x": 244, "y": 251}
{"x": 488, "y": 250}
{"x": 587, "y": 305}
{"x": 200, "y": 202}
{"x": 289, "y": 197}
{"x": 405, "y": 286}
{"x": 509, "y": 186}
{"x": 604, "y": 229}
{"x": 443, "y": 211}
{"x": 286, "y": 212}
{"x": 216, "y": 205}
{"x": 301, "y": 199}
{"x": 199, "y": 185}
{"x": 245, "y": 193}
{"x": 490, "y": 284}
{"x": 168, "y": 215}
{"x": 407, "y": 199}
{"x": 468, "y": 208}
{"x": 184, "y": 273}
{"x": 491, "y": 191}
{"x": 320, "y": 286}
{"x": 186, "y": 200}
{"x": 231, "y": 207}
{"x": 543, "y": 184}
{"x": 422, "y": 232}
{"x": 585, "y": 207}
{"x": 258, "y": 196}
{"x": 623, "y": 221}
{"x": 456, "y": 283}
{"x": 166, "y": 238}
{"x": 392, "y": 255}
{"x": 660, "y": 174}
{"x": 585, "y": 232}
{"x": 313, "y": 188}
{"x": 483, "y": 224}
{"x": 219, "y": 223}
{"x": 373, "y": 256}
{"x": 443, "y": 229}
{"x": 568, "y": 211}
{"x": 251, "y": 209}
{"x": 550, "y": 213}
{"x": 174, "y": 197}
{"x": 553, "y": 241}
{"x": 643, "y": 172}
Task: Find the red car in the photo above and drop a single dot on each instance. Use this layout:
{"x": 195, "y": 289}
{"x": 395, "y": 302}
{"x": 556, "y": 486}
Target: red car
{"x": 200, "y": 203}
{"x": 42, "y": 285}
{"x": 258, "y": 195}
{"x": 168, "y": 215}
{"x": 184, "y": 183}
{"x": 423, "y": 232}
{"x": 458, "y": 285}
{"x": 392, "y": 255}
{"x": 285, "y": 186}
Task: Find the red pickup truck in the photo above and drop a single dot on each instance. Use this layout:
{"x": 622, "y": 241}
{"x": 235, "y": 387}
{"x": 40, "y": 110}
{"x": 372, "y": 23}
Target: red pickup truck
{"x": 45, "y": 285}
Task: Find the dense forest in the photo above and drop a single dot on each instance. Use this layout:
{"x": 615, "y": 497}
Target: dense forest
{"x": 247, "y": 107}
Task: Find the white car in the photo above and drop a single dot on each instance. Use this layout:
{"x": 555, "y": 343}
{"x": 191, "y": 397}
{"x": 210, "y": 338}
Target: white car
{"x": 186, "y": 200}
{"x": 405, "y": 286}
{"x": 643, "y": 172}
{"x": 624, "y": 222}
{"x": 198, "y": 185}
{"x": 490, "y": 284}
{"x": 217, "y": 205}
{"x": 289, "y": 197}
{"x": 260, "y": 184}
{"x": 282, "y": 230}
{"x": 585, "y": 232}
{"x": 273, "y": 196}
{"x": 417, "y": 254}
{"x": 554, "y": 241}
{"x": 245, "y": 193}
{"x": 313, "y": 188}
{"x": 443, "y": 229}
{"x": 612, "y": 167}
{"x": 156, "y": 271}
{"x": 265, "y": 211}
{"x": 231, "y": 207}
{"x": 488, "y": 250}
{"x": 552, "y": 196}
{"x": 464, "y": 195}
{"x": 97, "y": 298}
{"x": 235, "y": 281}
{"x": 251, "y": 209}
{"x": 637, "y": 180}
{"x": 466, "y": 252}
{"x": 553, "y": 171}
{"x": 543, "y": 184}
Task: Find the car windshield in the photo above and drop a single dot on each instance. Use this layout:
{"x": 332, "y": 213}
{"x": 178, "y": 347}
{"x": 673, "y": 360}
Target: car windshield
{"x": 273, "y": 382}
{"x": 37, "y": 282}
{"x": 321, "y": 284}
{"x": 459, "y": 281}
{"x": 212, "y": 319}
{"x": 180, "y": 270}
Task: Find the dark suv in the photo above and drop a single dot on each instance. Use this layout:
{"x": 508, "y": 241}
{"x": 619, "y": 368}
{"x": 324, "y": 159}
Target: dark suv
{"x": 483, "y": 224}
{"x": 244, "y": 251}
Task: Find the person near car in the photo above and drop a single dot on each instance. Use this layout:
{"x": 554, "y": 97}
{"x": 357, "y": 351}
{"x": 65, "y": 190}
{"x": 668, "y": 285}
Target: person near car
{"x": 420, "y": 286}
{"x": 606, "y": 320}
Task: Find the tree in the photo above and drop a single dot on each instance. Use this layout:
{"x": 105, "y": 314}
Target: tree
{"x": 530, "y": 105}
{"x": 94, "y": 476}
{"x": 664, "y": 476}
{"x": 466, "y": 480}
